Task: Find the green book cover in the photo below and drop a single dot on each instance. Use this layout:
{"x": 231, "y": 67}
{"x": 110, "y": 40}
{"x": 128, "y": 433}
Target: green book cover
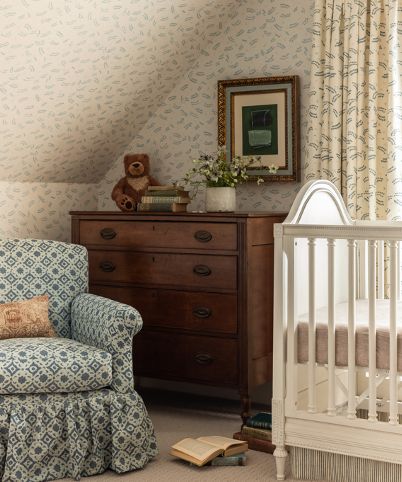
{"x": 165, "y": 199}
{"x": 232, "y": 460}
{"x": 260, "y": 420}
{"x": 169, "y": 192}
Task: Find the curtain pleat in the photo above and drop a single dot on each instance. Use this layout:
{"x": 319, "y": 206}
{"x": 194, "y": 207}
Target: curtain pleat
{"x": 354, "y": 134}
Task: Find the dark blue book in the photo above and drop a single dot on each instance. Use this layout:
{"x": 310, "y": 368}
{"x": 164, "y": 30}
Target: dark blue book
{"x": 260, "y": 420}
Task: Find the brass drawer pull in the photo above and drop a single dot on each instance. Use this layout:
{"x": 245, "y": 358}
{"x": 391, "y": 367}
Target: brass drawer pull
{"x": 202, "y": 270}
{"x": 203, "y": 236}
{"x": 204, "y": 358}
{"x": 201, "y": 312}
{"x": 107, "y": 266}
{"x": 108, "y": 233}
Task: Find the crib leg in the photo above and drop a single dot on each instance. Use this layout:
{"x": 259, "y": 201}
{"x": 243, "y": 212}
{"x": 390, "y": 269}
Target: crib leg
{"x": 280, "y": 455}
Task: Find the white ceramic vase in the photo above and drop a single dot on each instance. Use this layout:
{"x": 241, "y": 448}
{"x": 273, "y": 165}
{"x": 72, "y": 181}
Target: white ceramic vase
{"x": 220, "y": 199}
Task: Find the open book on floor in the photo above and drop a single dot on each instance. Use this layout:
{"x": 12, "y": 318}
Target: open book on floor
{"x": 201, "y": 450}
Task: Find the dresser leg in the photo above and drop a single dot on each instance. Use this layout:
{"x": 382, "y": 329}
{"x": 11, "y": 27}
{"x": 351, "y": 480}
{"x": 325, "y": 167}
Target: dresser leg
{"x": 245, "y": 406}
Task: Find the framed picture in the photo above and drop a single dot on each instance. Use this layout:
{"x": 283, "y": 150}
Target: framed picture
{"x": 259, "y": 117}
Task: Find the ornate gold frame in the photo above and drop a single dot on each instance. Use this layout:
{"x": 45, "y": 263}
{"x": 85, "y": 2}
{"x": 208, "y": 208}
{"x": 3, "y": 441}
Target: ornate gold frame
{"x": 224, "y": 123}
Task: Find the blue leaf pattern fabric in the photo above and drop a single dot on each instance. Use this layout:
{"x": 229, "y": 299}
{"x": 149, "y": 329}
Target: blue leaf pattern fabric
{"x": 47, "y": 437}
{"x": 355, "y": 113}
{"x": 110, "y": 326}
{"x": 33, "y": 267}
{"x": 89, "y": 417}
{"x": 46, "y": 365}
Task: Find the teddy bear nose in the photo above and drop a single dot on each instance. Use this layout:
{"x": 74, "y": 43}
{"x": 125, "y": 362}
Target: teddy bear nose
{"x": 136, "y": 164}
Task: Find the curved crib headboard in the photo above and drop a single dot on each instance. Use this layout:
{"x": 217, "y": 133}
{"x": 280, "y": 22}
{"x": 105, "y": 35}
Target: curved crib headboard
{"x": 318, "y": 202}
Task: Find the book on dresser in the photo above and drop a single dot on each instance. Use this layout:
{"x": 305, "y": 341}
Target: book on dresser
{"x": 164, "y": 199}
{"x": 170, "y": 207}
{"x": 196, "y": 281}
{"x": 202, "y": 450}
{"x": 169, "y": 191}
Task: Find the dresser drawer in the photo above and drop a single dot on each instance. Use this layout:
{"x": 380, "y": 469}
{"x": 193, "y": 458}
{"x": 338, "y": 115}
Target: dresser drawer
{"x": 185, "y": 357}
{"x": 183, "y": 310}
{"x": 194, "y": 270}
{"x": 159, "y": 234}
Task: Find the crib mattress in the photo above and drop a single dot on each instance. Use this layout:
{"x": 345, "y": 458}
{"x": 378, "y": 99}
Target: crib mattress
{"x": 341, "y": 335}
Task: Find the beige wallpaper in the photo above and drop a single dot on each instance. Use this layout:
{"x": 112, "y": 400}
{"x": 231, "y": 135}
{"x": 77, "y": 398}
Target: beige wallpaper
{"x": 39, "y": 210}
{"x": 78, "y": 79}
{"x": 83, "y": 82}
{"x": 265, "y": 38}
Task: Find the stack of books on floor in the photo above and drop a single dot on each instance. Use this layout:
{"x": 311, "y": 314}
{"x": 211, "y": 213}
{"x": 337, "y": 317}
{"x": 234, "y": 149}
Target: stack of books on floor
{"x": 213, "y": 450}
{"x": 172, "y": 199}
{"x": 257, "y": 432}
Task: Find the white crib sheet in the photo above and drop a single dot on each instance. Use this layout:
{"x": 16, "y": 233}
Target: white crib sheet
{"x": 341, "y": 335}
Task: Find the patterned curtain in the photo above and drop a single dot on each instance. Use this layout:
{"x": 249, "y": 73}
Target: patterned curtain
{"x": 355, "y": 114}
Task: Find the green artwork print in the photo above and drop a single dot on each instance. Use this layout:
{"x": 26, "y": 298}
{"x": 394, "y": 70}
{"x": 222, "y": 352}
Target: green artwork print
{"x": 260, "y": 130}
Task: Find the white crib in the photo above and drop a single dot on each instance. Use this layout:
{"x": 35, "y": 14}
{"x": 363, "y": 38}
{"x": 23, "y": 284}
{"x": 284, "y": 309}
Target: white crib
{"x": 337, "y": 361}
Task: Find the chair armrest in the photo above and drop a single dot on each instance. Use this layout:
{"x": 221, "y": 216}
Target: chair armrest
{"x": 110, "y": 326}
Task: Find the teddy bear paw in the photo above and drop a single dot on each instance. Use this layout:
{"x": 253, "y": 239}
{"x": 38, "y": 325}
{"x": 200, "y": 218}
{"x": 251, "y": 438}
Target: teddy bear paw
{"x": 125, "y": 203}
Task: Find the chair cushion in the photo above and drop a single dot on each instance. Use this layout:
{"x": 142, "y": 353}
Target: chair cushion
{"x": 44, "y": 365}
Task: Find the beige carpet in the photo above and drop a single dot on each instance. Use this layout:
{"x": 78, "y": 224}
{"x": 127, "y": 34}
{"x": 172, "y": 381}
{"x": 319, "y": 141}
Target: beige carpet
{"x": 172, "y": 424}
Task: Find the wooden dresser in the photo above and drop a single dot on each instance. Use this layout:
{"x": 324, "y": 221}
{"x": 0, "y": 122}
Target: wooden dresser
{"x": 203, "y": 284}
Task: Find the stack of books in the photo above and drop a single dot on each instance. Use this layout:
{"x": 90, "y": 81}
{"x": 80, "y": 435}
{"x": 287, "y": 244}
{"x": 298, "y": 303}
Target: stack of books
{"x": 172, "y": 199}
{"x": 257, "y": 432}
{"x": 213, "y": 450}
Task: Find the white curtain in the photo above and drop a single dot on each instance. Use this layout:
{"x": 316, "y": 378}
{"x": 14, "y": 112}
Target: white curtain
{"x": 355, "y": 114}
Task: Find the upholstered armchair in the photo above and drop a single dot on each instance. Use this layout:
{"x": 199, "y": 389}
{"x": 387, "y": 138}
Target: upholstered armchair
{"x": 68, "y": 407}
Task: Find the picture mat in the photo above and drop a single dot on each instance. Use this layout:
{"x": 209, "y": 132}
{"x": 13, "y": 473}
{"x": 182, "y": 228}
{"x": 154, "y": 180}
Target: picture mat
{"x": 288, "y": 169}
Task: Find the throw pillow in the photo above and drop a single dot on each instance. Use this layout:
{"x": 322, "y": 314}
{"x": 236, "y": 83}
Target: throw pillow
{"x": 26, "y": 319}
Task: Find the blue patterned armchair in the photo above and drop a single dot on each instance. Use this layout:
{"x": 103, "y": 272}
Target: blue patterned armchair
{"x": 68, "y": 407}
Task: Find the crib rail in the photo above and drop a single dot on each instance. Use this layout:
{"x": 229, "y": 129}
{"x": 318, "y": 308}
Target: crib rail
{"x": 330, "y": 395}
{"x": 378, "y": 249}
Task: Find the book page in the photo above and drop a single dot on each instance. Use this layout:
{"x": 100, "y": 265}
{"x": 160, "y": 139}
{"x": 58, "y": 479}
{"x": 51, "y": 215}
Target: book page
{"x": 196, "y": 448}
{"x": 221, "y": 442}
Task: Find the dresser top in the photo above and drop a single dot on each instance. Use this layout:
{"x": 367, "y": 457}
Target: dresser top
{"x": 121, "y": 215}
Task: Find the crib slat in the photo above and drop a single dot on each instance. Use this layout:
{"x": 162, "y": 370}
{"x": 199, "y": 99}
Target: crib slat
{"x": 351, "y": 413}
{"x": 372, "y": 281}
{"x": 331, "y": 328}
{"x": 291, "y": 366}
{"x": 398, "y": 271}
{"x": 362, "y": 272}
{"x": 311, "y": 327}
{"x": 381, "y": 278}
{"x": 393, "y": 357}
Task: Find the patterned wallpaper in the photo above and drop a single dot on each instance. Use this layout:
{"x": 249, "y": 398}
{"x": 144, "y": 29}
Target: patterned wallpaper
{"x": 81, "y": 81}
{"x": 39, "y": 210}
{"x": 78, "y": 79}
{"x": 265, "y": 38}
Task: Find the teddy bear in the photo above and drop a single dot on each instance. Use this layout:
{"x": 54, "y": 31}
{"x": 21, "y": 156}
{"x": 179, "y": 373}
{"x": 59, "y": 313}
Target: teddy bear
{"x": 129, "y": 190}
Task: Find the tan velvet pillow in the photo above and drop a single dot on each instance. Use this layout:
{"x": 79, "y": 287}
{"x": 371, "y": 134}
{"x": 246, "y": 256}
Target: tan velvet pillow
{"x": 26, "y": 319}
